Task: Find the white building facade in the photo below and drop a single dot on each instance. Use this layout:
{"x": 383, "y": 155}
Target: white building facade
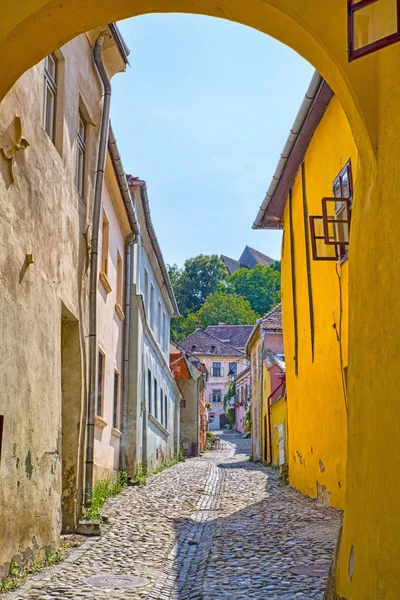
{"x": 151, "y": 435}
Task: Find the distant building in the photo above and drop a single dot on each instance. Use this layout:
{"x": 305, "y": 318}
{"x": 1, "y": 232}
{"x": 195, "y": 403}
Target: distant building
{"x": 190, "y": 374}
{"x": 248, "y": 260}
{"x": 221, "y": 349}
{"x": 267, "y": 336}
{"x": 242, "y": 398}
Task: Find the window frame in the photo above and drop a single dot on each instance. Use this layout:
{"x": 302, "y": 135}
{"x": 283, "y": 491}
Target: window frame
{"x": 218, "y": 369}
{"x": 81, "y": 146}
{"x": 166, "y": 411}
{"x": 155, "y": 395}
{"x": 217, "y": 395}
{"x": 161, "y": 406}
{"x": 315, "y": 237}
{"x": 352, "y": 7}
{"x": 233, "y": 367}
{"x": 100, "y": 382}
{"x": 50, "y": 84}
{"x": 116, "y": 399}
{"x": 149, "y": 390}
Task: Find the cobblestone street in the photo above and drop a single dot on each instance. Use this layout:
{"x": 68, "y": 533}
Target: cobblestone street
{"x": 213, "y": 527}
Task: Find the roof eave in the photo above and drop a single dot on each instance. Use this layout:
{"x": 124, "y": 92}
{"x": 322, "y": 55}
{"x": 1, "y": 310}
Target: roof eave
{"x": 315, "y": 102}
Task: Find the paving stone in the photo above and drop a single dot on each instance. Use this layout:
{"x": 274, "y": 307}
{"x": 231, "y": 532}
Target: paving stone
{"x": 212, "y": 528}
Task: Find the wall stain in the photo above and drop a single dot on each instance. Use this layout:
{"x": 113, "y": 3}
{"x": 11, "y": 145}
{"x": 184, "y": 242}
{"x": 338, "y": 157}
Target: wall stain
{"x": 321, "y": 466}
{"x": 28, "y": 465}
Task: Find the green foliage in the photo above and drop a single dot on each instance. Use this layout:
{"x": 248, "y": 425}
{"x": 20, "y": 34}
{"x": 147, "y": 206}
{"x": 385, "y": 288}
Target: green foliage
{"x": 208, "y": 295}
{"x": 17, "y": 574}
{"x": 210, "y": 435}
{"x": 221, "y": 307}
{"x": 198, "y": 279}
{"x": 169, "y": 463}
{"x": 229, "y": 394}
{"x": 141, "y": 474}
{"x": 247, "y": 421}
{"x": 260, "y": 286}
{"x": 231, "y": 414}
{"x": 102, "y": 491}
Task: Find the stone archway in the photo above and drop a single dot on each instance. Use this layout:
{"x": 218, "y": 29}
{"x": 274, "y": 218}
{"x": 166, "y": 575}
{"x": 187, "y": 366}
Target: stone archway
{"x": 368, "y": 90}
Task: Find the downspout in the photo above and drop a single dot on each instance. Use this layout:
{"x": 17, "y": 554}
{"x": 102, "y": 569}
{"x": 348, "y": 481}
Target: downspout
{"x": 94, "y": 252}
{"x": 269, "y": 419}
{"x": 125, "y": 373}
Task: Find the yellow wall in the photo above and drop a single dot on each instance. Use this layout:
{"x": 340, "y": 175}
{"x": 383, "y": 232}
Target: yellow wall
{"x": 368, "y": 90}
{"x": 316, "y": 401}
{"x": 278, "y": 416}
{"x": 254, "y": 353}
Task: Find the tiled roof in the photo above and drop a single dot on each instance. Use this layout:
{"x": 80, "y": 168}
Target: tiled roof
{"x": 204, "y": 344}
{"x": 231, "y": 264}
{"x": 271, "y": 359}
{"x": 273, "y": 319}
{"x": 262, "y": 259}
{"x": 234, "y": 335}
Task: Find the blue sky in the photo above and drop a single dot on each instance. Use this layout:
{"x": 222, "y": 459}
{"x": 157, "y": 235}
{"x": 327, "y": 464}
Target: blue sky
{"x": 202, "y": 115}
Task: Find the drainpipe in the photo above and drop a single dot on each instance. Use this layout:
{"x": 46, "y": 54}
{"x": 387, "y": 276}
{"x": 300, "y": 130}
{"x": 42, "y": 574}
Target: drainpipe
{"x": 127, "y": 311}
{"x": 269, "y": 419}
{"x": 94, "y": 252}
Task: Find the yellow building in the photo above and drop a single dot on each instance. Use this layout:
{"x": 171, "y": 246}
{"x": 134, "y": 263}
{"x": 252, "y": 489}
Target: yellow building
{"x": 274, "y": 406}
{"x": 263, "y": 348}
{"x": 322, "y": 164}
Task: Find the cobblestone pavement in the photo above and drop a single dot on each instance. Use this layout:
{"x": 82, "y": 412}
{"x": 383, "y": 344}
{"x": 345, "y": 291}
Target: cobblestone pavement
{"x": 212, "y": 528}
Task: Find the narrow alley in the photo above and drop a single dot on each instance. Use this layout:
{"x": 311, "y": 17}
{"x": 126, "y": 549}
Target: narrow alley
{"x": 213, "y": 527}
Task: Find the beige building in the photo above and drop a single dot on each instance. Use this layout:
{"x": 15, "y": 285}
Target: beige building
{"x": 49, "y": 137}
{"x": 117, "y": 229}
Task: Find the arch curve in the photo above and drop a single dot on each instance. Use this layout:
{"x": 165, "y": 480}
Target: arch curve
{"x": 31, "y": 31}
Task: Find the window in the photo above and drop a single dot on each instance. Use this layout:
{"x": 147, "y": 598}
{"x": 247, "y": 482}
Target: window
{"x": 149, "y": 399}
{"x": 343, "y": 192}
{"x": 100, "y": 384}
{"x": 330, "y": 233}
{"x": 372, "y": 25}
{"x": 80, "y": 156}
{"x": 216, "y": 370}
{"x": 155, "y": 399}
{"x": 193, "y": 348}
{"x": 146, "y": 289}
{"x": 152, "y": 306}
{"x": 119, "y": 279}
{"x": 116, "y": 400}
{"x": 166, "y": 411}
{"x": 232, "y": 369}
{"x": 104, "y": 250}
{"x": 50, "y": 96}
{"x": 163, "y": 333}
{"x": 216, "y": 396}
{"x": 1, "y": 432}
{"x": 159, "y": 322}
{"x": 161, "y": 407}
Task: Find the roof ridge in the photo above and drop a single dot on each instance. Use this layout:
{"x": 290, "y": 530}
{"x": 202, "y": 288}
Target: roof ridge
{"x": 214, "y": 338}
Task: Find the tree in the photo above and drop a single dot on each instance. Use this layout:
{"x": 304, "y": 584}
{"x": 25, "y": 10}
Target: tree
{"x": 260, "y": 286}
{"x": 199, "y": 277}
{"x": 221, "y": 307}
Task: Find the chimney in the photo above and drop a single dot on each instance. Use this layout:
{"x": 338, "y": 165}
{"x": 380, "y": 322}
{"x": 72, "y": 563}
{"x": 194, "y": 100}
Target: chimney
{"x": 221, "y": 324}
{"x": 197, "y": 325}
